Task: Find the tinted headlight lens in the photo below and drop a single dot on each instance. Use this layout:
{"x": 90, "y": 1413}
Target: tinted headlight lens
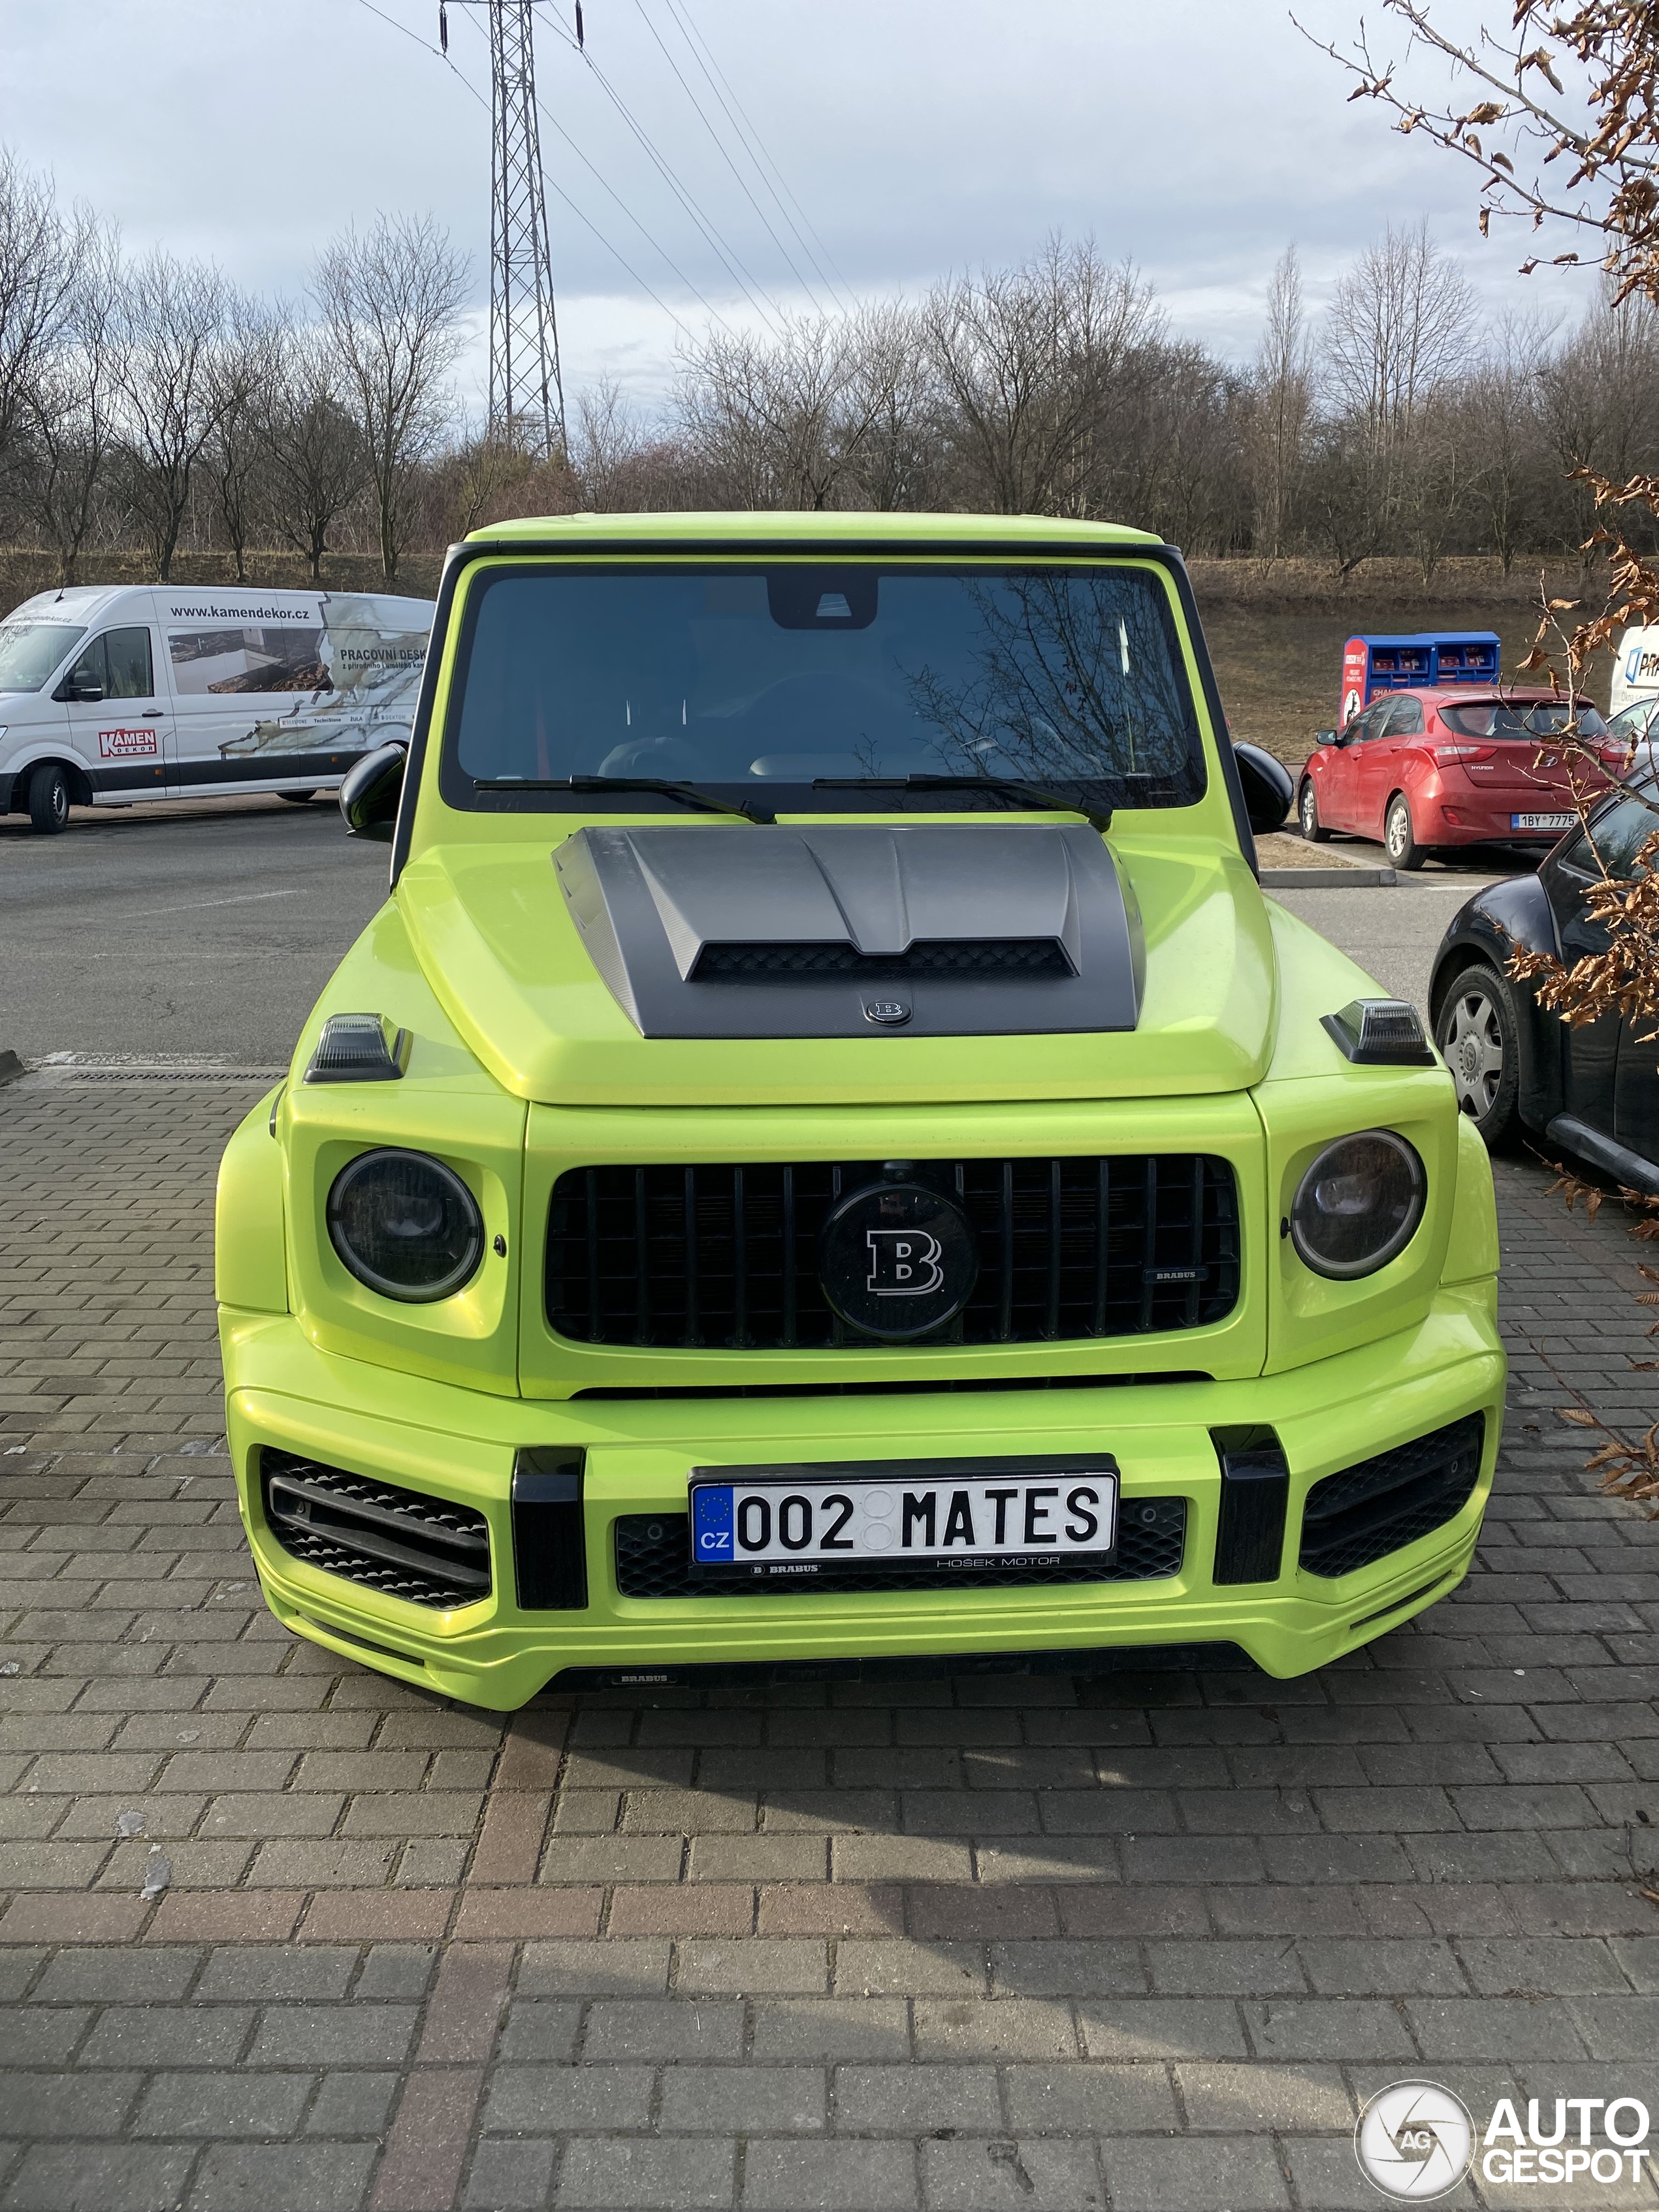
{"x": 1357, "y": 1205}
{"x": 406, "y": 1225}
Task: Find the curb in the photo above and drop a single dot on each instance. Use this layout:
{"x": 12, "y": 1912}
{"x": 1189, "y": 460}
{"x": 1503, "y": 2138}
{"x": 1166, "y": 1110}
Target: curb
{"x": 11, "y": 1066}
{"x": 1326, "y": 880}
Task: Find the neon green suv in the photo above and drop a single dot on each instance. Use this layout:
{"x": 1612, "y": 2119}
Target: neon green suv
{"x": 827, "y": 1155}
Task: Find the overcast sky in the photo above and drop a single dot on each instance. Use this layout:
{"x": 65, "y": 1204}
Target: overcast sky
{"x": 1196, "y": 136}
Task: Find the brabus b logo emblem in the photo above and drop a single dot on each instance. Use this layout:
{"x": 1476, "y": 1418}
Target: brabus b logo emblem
{"x": 903, "y": 1263}
{"x": 897, "y": 1260}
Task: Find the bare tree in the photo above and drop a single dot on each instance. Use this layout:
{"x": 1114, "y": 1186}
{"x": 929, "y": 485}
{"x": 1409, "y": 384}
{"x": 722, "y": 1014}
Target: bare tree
{"x": 778, "y": 418}
{"x": 1025, "y": 358}
{"x": 169, "y": 319}
{"x": 1282, "y": 407}
{"x": 391, "y": 299}
{"x": 313, "y": 459}
{"x": 67, "y": 419}
{"x": 40, "y": 259}
{"x": 1502, "y": 404}
{"x": 242, "y": 366}
{"x": 605, "y": 446}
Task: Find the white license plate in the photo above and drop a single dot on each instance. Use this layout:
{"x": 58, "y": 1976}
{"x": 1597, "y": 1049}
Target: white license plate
{"x": 1542, "y": 821}
{"x": 815, "y": 1522}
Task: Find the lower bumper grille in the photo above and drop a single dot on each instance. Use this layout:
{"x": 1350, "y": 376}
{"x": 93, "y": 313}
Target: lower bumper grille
{"x": 423, "y": 1549}
{"x": 652, "y": 1557}
{"x": 1367, "y": 1511}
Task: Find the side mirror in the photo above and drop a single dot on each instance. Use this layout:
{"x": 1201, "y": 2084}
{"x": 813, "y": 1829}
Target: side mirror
{"x": 1327, "y": 737}
{"x": 370, "y": 793}
{"x": 81, "y": 694}
{"x": 1269, "y": 792}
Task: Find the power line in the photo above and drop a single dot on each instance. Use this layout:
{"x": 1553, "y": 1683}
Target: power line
{"x": 655, "y": 244}
{"x": 586, "y": 221}
{"x": 726, "y": 254}
{"x": 743, "y": 185}
{"x": 755, "y": 145}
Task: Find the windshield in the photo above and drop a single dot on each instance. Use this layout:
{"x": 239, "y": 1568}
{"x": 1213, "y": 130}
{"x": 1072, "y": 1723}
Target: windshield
{"x": 768, "y": 682}
{"x": 30, "y": 650}
{"x": 1521, "y": 718}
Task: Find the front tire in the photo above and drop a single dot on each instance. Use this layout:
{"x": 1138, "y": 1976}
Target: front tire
{"x": 1307, "y": 807}
{"x": 1478, "y": 1033}
{"x": 1397, "y": 836}
{"x": 49, "y": 800}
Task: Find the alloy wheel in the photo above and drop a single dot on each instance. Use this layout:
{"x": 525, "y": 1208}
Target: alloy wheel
{"x": 1473, "y": 1043}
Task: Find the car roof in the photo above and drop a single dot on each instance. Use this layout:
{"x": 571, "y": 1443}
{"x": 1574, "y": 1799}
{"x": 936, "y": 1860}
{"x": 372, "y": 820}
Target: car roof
{"x": 851, "y": 530}
{"x": 1464, "y": 695}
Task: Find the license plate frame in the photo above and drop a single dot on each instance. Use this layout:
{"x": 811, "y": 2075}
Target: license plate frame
{"x": 808, "y": 1564}
{"x": 1557, "y": 822}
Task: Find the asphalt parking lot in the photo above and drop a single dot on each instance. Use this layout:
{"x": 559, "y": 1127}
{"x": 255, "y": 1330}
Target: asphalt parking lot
{"x": 202, "y": 930}
{"x": 277, "y": 1933}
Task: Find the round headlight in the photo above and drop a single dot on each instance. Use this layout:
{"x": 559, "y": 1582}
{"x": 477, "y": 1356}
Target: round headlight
{"x": 1357, "y": 1205}
{"x": 406, "y": 1224}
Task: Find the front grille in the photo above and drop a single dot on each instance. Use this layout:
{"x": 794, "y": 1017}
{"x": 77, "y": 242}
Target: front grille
{"x": 920, "y": 963}
{"x": 1368, "y": 1510}
{"x": 727, "y": 1257}
{"x": 652, "y": 1555}
{"x": 401, "y": 1541}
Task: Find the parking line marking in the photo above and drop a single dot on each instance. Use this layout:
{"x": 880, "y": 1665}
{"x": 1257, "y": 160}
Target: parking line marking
{"x": 195, "y": 906}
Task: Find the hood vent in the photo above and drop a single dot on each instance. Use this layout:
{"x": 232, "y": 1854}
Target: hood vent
{"x": 971, "y": 930}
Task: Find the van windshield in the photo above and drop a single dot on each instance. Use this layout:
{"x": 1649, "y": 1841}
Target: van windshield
{"x": 30, "y": 650}
{"x": 822, "y": 687}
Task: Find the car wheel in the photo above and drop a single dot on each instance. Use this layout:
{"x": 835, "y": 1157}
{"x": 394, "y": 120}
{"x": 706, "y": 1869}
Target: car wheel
{"x": 1476, "y": 1033}
{"x": 49, "y": 800}
{"x": 1307, "y": 807}
{"x": 297, "y": 797}
{"x": 1402, "y": 846}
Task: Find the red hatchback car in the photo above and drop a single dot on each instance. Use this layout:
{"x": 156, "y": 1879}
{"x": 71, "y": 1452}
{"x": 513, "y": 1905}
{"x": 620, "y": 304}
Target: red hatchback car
{"x": 1424, "y": 771}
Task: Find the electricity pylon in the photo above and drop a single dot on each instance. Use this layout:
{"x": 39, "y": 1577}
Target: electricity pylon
{"x": 527, "y": 395}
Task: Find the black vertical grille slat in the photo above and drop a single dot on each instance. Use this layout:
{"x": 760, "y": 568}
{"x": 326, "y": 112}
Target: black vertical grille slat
{"x": 1051, "y": 1327}
{"x": 642, "y": 1275}
{"x": 739, "y": 1263}
{"x": 595, "y": 1320}
{"x": 1148, "y": 1240}
{"x": 726, "y": 1257}
{"x": 1103, "y": 1243}
{"x": 788, "y": 1331}
{"x": 1005, "y": 1255}
{"x": 693, "y": 1335}
{"x": 1195, "y": 1241}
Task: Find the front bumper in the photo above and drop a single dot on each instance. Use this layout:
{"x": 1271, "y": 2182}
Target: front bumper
{"x": 461, "y": 1445}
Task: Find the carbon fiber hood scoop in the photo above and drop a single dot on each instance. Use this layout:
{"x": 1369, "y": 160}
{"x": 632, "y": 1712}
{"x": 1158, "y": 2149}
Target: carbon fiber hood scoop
{"x": 854, "y": 929}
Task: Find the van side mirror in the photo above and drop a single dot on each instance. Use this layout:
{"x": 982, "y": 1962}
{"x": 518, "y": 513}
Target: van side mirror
{"x": 79, "y": 695}
{"x": 1268, "y": 791}
{"x": 370, "y": 793}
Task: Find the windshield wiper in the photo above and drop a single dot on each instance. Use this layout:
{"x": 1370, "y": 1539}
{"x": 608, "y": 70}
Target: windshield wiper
{"x": 687, "y": 794}
{"x": 1009, "y": 786}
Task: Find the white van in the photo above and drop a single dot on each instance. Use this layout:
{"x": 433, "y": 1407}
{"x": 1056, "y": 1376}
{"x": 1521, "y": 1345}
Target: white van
{"x": 1636, "y": 671}
{"x": 110, "y": 695}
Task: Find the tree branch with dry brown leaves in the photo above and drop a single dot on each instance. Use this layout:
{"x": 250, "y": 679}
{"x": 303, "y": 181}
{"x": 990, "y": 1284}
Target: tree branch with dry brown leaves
{"x": 1601, "y": 62}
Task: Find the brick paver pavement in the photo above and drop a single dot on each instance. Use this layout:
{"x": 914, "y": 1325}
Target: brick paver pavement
{"x": 1143, "y": 1941}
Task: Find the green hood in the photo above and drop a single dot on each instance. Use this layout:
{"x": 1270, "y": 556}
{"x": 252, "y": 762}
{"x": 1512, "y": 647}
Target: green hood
{"x": 496, "y": 941}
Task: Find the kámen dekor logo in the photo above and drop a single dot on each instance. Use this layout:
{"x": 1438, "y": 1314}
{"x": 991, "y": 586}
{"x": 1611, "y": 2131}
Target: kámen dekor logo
{"x": 1416, "y": 2139}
